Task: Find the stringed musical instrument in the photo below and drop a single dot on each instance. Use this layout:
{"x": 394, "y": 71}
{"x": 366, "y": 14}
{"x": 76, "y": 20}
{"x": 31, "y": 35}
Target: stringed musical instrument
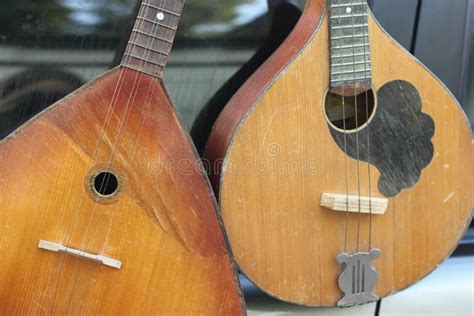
{"x": 99, "y": 214}
{"x": 344, "y": 168}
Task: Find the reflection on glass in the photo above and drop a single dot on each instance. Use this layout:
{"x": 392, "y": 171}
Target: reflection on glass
{"x": 66, "y": 43}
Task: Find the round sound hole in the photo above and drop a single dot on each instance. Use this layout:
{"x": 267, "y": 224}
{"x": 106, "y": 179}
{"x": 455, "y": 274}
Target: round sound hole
{"x": 105, "y": 184}
{"x": 349, "y": 113}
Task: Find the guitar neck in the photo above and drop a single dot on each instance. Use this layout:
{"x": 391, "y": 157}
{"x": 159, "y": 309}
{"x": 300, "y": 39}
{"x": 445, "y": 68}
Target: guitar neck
{"x": 350, "y": 51}
{"x": 152, "y": 36}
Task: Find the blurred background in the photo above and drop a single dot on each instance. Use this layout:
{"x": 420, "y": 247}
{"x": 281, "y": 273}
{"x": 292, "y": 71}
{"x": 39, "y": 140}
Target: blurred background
{"x": 49, "y": 48}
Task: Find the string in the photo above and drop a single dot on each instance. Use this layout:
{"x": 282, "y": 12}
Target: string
{"x": 132, "y": 97}
{"x": 149, "y": 92}
{"x": 142, "y": 116}
{"x": 130, "y": 102}
{"x": 110, "y": 110}
{"x": 344, "y": 131}
{"x": 129, "y": 105}
{"x": 357, "y": 128}
{"x": 147, "y": 53}
{"x": 366, "y": 78}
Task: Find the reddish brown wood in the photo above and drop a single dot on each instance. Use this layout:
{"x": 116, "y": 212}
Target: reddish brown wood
{"x": 249, "y": 93}
{"x": 162, "y": 224}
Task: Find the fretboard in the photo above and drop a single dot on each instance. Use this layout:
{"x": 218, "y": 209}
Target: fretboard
{"x": 152, "y": 36}
{"x": 350, "y": 51}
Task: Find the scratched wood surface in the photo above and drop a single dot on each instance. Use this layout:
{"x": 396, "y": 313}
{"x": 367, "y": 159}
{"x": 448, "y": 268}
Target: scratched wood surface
{"x": 162, "y": 224}
{"x": 280, "y": 158}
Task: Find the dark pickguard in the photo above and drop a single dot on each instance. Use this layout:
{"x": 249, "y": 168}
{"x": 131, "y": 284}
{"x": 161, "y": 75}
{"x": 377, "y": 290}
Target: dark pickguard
{"x": 400, "y": 138}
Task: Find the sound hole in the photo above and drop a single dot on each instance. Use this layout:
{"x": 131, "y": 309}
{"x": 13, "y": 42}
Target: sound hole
{"x": 349, "y": 113}
{"x": 105, "y": 184}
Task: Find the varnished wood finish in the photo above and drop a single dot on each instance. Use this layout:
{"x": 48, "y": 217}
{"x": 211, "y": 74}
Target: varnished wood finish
{"x": 162, "y": 225}
{"x": 253, "y": 88}
{"x": 279, "y": 158}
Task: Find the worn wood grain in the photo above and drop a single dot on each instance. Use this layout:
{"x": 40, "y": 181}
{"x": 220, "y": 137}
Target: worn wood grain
{"x": 279, "y": 158}
{"x": 162, "y": 225}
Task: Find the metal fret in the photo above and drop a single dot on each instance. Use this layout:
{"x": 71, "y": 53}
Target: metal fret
{"x": 351, "y": 4}
{"x": 149, "y": 48}
{"x": 355, "y": 79}
{"x": 349, "y": 46}
{"x": 351, "y": 72}
{"x": 161, "y": 9}
{"x": 367, "y": 62}
{"x": 346, "y": 16}
{"x": 350, "y": 55}
{"x": 350, "y": 36}
{"x": 143, "y": 59}
{"x": 351, "y": 26}
{"x": 153, "y": 36}
{"x": 159, "y": 24}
